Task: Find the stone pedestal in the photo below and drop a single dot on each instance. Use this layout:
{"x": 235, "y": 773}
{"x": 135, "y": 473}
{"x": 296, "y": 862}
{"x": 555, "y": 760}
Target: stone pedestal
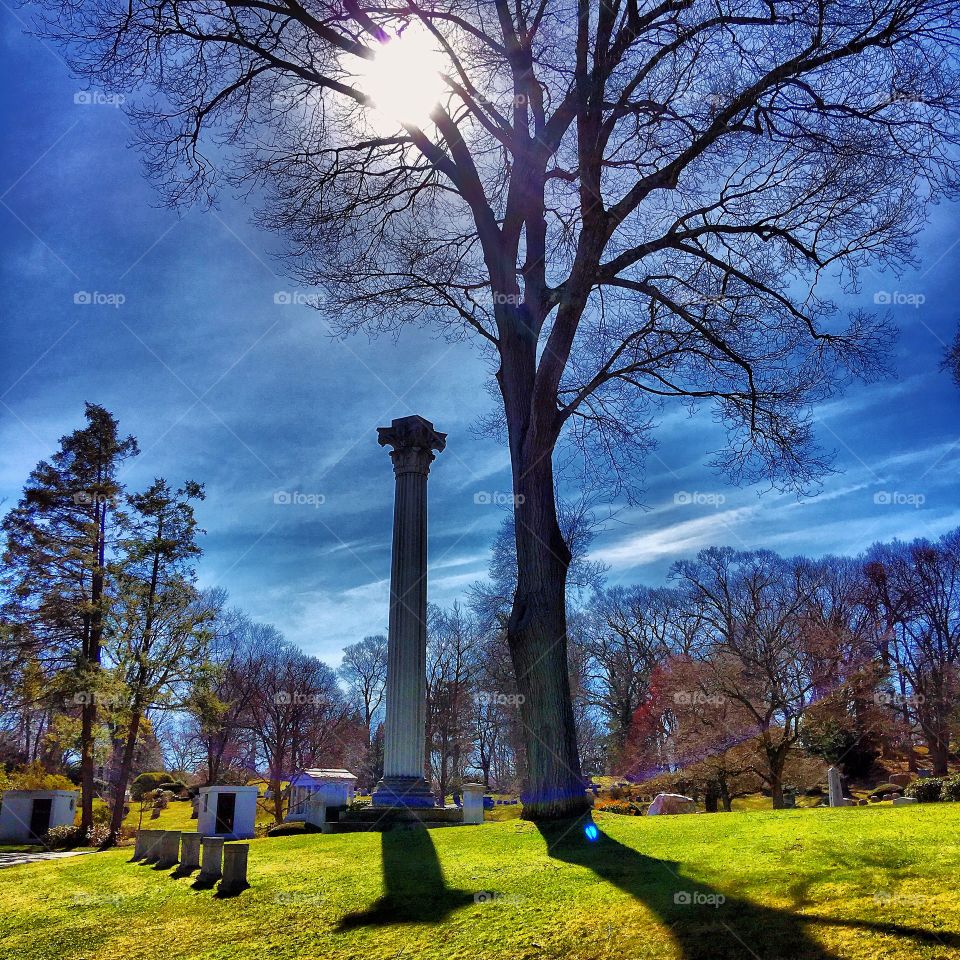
{"x": 169, "y": 849}
{"x": 835, "y": 786}
{"x": 234, "y": 868}
{"x": 211, "y": 859}
{"x": 189, "y": 852}
{"x": 413, "y": 440}
{"x": 473, "y": 802}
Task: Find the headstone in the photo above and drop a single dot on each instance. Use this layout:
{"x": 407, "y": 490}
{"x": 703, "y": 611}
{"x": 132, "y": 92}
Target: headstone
{"x": 413, "y": 440}
{"x": 789, "y": 799}
{"x": 169, "y": 849}
{"x": 189, "y": 852}
{"x": 234, "y": 868}
{"x": 140, "y": 845}
{"x": 211, "y": 859}
{"x": 835, "y": 785}
{"x": 473, "y": 803}
{"x": 905, "y": 801}
{"x": 195, "y": 807}
{"x": 671, "y": 803}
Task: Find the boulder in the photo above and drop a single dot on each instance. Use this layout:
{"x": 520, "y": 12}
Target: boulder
{"x": 671, "y": 803}
{"x": 901, "y": 779}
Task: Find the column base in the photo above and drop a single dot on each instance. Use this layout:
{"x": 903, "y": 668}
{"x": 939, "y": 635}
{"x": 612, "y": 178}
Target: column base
{"x": 403, "y": 792}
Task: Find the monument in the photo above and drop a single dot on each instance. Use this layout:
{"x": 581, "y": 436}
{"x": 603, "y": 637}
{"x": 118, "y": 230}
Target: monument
{"x": 413, "y": 441}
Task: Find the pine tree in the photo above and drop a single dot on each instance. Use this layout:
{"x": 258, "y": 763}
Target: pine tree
{"x": 56, "y": 590}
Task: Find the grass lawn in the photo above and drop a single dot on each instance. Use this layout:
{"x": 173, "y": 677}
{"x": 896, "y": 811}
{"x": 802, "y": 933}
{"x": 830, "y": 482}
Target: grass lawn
{"x": 868, "y": 882}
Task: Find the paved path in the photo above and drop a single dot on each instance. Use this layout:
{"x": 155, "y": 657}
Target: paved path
{"x": 18, "y": 859}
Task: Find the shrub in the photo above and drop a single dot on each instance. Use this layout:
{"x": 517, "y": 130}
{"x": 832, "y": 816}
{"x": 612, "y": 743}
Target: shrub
{"x": 59, "y": 837}
{"x": 147, "y": 782}
{"x": 97, "y": 835}
{"x": 628, "y": 808}
{"x": 951, "y": 788}
{"x": 926, "y": 790}
{"x": 33, "y": 776}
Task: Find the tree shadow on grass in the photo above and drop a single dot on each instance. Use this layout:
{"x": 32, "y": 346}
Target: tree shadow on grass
{"x": 414, "y": 888}
{"x": 706, "y": 923}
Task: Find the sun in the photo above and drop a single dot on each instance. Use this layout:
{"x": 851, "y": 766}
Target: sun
{"x": 405, "y": 78}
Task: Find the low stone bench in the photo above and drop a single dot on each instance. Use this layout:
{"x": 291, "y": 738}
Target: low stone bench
{"x": 234, "y": 868}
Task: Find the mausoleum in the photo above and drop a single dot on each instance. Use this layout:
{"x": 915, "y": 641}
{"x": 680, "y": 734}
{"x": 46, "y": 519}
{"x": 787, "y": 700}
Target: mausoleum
{"x": 228, "y": 812}
{"x": 26, "y": 815}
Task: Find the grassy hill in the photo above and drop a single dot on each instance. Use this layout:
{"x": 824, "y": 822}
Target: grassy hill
{"x": 869, "y": 882}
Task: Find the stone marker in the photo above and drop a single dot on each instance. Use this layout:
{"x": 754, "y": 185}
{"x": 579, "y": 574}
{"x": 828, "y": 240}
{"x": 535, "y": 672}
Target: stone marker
{"x": 234, "y": 868}
{"x": 189, "y": 852}
{"x": 169, "y": 849}
{"x": 140, "y": 845}
{"x": 211, "y": 859}
{"x": 905, "y": 801}
{"x": 473, "y": 802}
{"x": 789, "y": 799}
{"x": 151, "y": 845}
{"x": 413, "y": 440}
{"x": 835, "y": 786}
{"x": 671, "y": 803}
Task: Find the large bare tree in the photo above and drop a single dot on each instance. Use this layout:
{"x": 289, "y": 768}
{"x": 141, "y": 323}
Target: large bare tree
{"x": 625, "y": 202}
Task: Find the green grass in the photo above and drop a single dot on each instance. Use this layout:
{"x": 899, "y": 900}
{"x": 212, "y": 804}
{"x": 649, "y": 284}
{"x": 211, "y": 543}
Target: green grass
{"x": 861, "y": 883}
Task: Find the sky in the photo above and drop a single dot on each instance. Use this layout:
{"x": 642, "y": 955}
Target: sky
{"x": 185, "y": 327}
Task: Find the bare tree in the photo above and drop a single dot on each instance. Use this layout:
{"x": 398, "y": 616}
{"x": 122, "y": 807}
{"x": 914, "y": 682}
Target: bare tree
{"x": 625, "y": 202}
{"x": 364, "y": 670}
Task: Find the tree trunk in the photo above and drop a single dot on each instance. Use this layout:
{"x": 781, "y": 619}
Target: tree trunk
{"x": 537, "y": 636}
{"x": 123, "y": 777}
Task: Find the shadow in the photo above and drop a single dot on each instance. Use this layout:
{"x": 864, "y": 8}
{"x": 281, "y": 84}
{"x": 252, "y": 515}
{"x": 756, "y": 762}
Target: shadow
{"x": 182, "y": 871}
{"x": 415, "y": 891}
{"x": 708, "y": 924}
{"x": 230, "y": 892}
{"x": 199, "y": 884}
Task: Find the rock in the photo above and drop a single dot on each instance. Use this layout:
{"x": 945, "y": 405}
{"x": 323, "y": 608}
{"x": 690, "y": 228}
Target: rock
{"x": 901, "y": 779}
{"x": 665, "y": 803}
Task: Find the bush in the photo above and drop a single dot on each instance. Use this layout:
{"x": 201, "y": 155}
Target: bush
{"x": 57, "y": 838}
{"x": 628, "y": 808}
{"x": 147, "y": 782}
{"x": 97, "y": 835}
{"x": 926, "y": 790}
{"x": 34, "y": 777}
{"x": 951, "y": 789}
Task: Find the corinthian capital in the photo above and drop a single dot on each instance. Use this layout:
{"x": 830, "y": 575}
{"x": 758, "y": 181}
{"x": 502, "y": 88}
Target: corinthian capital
{"x": 413, "y": 440}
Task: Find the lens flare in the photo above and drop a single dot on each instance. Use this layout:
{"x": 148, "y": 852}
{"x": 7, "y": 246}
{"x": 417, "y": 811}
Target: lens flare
{"x": 591, "y": 831}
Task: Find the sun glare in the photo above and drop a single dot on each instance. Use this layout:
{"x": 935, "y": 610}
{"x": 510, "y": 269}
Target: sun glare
{"x": 404, "y": 80}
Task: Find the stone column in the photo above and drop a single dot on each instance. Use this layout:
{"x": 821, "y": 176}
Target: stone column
{"x": 413, "y": 440}
{"x": 169, "y": 849}
{"x": 835, "y": 786}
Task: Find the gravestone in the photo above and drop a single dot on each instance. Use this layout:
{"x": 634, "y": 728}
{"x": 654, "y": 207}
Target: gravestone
{"x": 189, "y": 852}
{"x": 671, "y": 803}
{"x": 234, "y": 868}
{"x": 835, "y": 785}
{"x": 789, "y": 799}
{"x": 211, "y": 859}
{"x": 151, "y": 846}
{"x": 169, "y": 849}
{"x": 473, "y": 803}
{"x": 905, "y": 801}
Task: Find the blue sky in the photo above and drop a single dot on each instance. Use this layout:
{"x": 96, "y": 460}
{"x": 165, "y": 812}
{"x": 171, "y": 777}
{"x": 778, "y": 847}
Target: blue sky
{"x": 185, "y": 342}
